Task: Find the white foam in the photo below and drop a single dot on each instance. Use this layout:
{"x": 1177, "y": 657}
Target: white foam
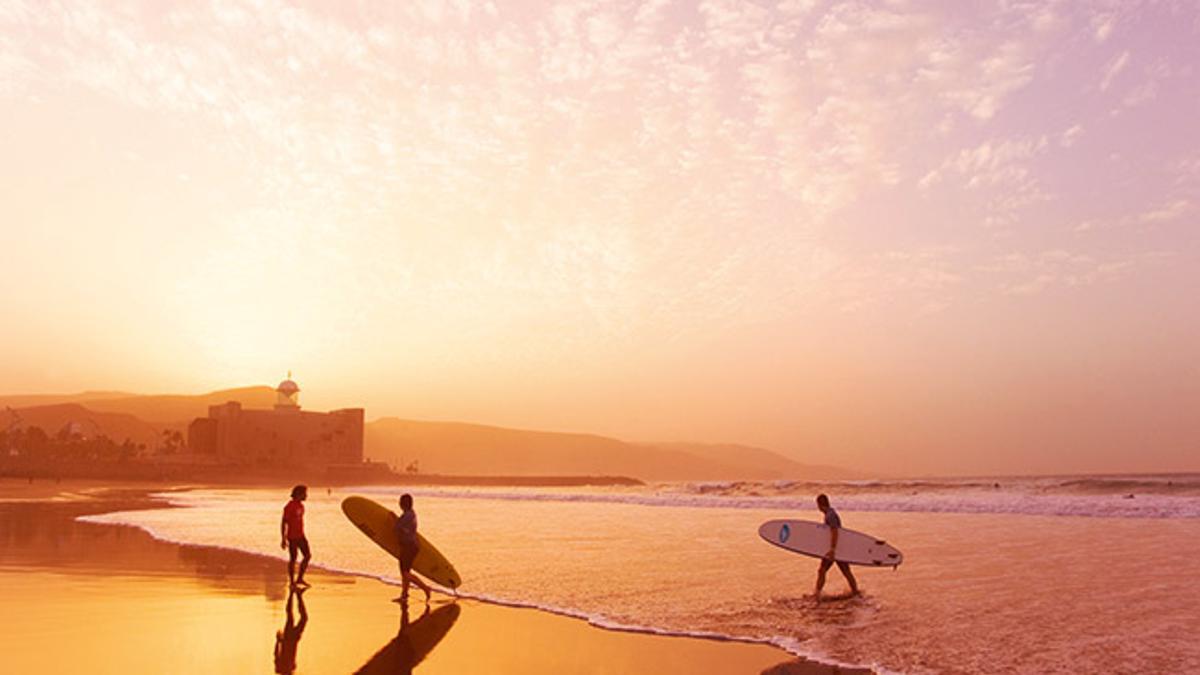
{"x": 960, "y": 501}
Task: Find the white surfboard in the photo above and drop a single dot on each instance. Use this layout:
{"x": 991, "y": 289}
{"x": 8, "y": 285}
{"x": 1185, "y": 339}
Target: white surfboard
{"x": 812, "y": 539}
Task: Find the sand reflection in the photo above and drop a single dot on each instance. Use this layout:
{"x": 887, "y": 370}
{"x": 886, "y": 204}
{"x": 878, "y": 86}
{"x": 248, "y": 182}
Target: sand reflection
{"x": 413, "y": 642}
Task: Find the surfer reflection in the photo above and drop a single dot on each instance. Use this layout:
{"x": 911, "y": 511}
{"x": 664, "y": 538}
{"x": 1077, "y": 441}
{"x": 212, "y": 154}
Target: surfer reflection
{"x": 287, "y": 641}
{"x": 413, "y": 642}
{"x": 406, "y": 532}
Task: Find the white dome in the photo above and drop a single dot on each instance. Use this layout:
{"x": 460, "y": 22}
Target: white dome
{"x": 287, "y": 387}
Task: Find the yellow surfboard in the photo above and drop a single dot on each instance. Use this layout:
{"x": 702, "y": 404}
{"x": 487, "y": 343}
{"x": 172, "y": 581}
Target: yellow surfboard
{"x": 378, "y": 523}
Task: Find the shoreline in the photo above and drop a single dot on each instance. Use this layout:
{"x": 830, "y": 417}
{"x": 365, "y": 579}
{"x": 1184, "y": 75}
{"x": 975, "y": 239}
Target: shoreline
{"x": 112, "y": 555}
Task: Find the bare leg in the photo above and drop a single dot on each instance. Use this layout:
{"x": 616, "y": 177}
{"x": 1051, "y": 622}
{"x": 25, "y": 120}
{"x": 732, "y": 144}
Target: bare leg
{"x": 845, "y": 568}
{"x": 303, "y": 563}
{"x": 825, "y": 565}
{"x": 409, "y": 578}
{"x": 303, "y": 568}
{"x": 291, "y": 567}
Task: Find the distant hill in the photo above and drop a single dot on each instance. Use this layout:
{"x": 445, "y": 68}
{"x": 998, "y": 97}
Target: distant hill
{"x": 27, "y": 400}
{"x": 177, "y": 410}
{"x": 440, "y": 447}
{"x": 461, "y": 448}
{"x": 771, "y": 464}
{"x": 117, "y": 426}
{"x": 167, "y": 410}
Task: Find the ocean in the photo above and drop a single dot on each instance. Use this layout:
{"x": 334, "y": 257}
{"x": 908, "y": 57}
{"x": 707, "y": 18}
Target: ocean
{"x": 1001, "y": 574}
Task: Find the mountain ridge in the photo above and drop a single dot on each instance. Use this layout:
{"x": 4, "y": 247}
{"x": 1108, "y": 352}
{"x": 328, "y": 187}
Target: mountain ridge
{"x": 442, "y": 447}
{"x": 460, "y": 447}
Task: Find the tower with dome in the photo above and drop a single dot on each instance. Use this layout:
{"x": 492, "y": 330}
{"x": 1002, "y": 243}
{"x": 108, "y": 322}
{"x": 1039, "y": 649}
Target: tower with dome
{"x": 283, "y": 437}
{"x": 287, "y": 395}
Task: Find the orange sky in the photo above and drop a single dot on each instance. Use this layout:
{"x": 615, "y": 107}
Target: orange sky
{"x": 907, "y": 237}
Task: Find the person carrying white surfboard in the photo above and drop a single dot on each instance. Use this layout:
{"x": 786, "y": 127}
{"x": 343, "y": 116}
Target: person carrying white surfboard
{"x": 406, "y": 532}
{"x": 834, "y": 522}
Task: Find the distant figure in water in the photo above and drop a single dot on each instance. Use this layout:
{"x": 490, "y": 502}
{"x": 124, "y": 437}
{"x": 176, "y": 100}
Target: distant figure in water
{"x": 834, "y": 522}
{"x": 291, "y": 530}
{"x": 287, "y": 641}
{"x": 406, "y": 531}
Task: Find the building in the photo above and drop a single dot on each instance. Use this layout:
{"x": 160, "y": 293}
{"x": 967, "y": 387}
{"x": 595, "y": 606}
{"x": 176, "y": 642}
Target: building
{"x": 285, "y": 436}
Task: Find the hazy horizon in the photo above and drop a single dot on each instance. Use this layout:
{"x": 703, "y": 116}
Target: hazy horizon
{"x": 103, "y": 395}
{"x": 911, "y": 238}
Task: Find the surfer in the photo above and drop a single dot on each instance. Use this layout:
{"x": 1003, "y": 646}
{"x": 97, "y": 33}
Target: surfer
{"x": 406, "y": 532}
{"x": 291, "y": 531}
{"x": 834, "y": 522}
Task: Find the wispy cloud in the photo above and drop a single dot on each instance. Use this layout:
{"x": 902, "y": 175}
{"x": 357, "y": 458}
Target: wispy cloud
{"x": 1031, "y": 274}
{"x": 1113, "y": 69}
{"x": 641, "y": 150}
{"x": 1103, "y": 25}
{"x": 1167, "y": 212}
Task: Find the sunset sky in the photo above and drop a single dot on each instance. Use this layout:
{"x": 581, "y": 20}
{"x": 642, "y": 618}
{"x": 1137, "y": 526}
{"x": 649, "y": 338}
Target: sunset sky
{"x": 905, "y": 237}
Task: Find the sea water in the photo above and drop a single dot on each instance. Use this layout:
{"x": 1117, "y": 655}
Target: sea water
{"x": 1038, "y": 574}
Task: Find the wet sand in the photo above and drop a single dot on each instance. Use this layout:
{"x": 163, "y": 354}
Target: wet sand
{"x": 43, "y": 489}
{"x": 109, "y": 599}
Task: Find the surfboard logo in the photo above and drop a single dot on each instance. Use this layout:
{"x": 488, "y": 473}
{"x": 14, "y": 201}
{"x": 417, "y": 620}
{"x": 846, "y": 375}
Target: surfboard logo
{"x": 784, "y": 533}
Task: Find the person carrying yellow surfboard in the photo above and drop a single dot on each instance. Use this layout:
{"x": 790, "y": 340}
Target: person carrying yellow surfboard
{"x": 406, "y": 532}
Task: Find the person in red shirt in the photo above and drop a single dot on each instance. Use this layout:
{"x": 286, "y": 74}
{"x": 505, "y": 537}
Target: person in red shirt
{"x": 291, "y": 530}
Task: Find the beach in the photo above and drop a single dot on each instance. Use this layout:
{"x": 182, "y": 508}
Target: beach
{"x": 111, "y": 599}
{"x": 1045, "y": 574}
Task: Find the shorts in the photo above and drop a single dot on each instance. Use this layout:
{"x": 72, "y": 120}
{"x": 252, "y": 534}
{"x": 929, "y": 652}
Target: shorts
{"x": 826, "y": 563}
{"x": 407, "y": 556}
{"x": 302, "y": 545}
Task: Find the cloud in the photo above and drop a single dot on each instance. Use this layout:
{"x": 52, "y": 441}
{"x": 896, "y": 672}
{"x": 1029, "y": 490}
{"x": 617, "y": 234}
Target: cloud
{"x": 1027, "y": 274}
{"x": 998, "y": 169}
{"x": 1148, "y": 89}
{"x": 1169, "y": 211}
{"x": 644, "y": 150}
{"x": 1069, "y": 137}
{"x": 1113, "y": 69}
{"x": 733, "y": 25}
{"x": 1004, "y": 72}
{"x": 1103, "y": 25}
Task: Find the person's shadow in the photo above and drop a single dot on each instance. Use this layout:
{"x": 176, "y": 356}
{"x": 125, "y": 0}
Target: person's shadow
{"x": 287, "y": 641}
{"x": 413, "y": 642}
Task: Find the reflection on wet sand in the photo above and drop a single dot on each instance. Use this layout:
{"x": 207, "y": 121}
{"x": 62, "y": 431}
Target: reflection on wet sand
{"x": 413, "y": 642}
{"x": 45, "y": 535}
{"x": 287, "y": 641}
{"x": 804, "y": 667}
